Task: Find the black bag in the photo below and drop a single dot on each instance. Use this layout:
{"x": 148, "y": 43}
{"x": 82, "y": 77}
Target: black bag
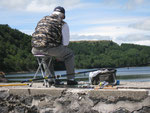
{"x": 107, "y": 75}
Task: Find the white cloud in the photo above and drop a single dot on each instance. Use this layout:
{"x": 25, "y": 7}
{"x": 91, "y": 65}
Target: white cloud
{"x": 145, "y": 42}
{"x": 110, "y": 21}
{"x": 27, "y": 31}
{"x": 14, "y": 4}
{"x": 46, "y": 5}
{"x": 125, "y": 4}
{"x": 37, "y": 5}
{"x": 112, "y": 31}
{"x": 76, "y": 37}
{"x": 134, "y": 38}
{"x": 119, "y": 29}
{"x": 132, "y": 4}
{"x": 117, "y": 33}
{"x": 143, "y": 25}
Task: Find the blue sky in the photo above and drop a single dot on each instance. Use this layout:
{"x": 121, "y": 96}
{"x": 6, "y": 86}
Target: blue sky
{"x": 123, "y": 21}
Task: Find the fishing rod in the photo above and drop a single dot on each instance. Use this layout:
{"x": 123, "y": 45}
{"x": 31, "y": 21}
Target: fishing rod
{"x": 34, "y": 79}
{"x": 57, "y": 76}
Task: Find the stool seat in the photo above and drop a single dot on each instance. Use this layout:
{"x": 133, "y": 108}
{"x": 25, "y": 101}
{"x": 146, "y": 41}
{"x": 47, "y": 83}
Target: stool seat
{"x": 41, "y": 55}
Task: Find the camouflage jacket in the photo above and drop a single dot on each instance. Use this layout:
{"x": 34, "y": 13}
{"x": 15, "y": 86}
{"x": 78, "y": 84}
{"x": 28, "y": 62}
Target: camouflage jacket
{"x": 48, "y": 32}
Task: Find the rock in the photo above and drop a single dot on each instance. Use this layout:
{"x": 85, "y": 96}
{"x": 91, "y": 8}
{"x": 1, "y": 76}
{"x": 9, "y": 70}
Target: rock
{"x": 19, "y": 109}
{"x": 121, "y": 110}
{"x": 3, "y": 95}
{"x": 27, "y": 100}
{"x": 3, "y": 109}
{"x": 144, "y": 109}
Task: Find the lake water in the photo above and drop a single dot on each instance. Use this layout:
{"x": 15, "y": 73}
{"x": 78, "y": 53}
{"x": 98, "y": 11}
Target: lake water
{"x": 132, "y": 74}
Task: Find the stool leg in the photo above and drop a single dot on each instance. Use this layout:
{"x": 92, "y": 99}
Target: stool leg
{"x": 35, "y": 75}
{"x": 44, "y": 72}
{"x": 47, "y": 63}
{"x": 39, "y": 67}
{"x": 47, "y": 67}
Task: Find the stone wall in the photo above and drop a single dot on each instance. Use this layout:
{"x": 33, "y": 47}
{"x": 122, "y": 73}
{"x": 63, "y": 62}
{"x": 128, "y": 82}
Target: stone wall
{"x": 63, "y": 100}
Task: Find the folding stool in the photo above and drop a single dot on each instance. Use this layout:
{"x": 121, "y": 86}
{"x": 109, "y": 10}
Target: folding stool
{"x": 41, "y": 63}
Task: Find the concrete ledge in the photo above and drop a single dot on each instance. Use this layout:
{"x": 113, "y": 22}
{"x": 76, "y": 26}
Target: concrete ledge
{"x": 55, "y": 92}
{"x": 133, "y": 94}
{"x": 114, "y": 95}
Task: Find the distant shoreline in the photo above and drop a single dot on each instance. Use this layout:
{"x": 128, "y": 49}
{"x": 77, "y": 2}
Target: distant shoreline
{"x": 20, "y": 72}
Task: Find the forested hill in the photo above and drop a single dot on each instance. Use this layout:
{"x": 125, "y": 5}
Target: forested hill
{"x": 96, "y": 54}
{"x": 15, "y": 50}
{"x": 15, "y": 53}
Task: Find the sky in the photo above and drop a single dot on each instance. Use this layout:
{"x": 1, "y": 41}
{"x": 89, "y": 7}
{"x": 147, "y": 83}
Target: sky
{"x": 122, "y": 21}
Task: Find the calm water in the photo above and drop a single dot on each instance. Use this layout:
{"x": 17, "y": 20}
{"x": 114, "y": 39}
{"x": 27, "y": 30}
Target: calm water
{"x": 141, "y": 74}
{"x": 138, "y": 74}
